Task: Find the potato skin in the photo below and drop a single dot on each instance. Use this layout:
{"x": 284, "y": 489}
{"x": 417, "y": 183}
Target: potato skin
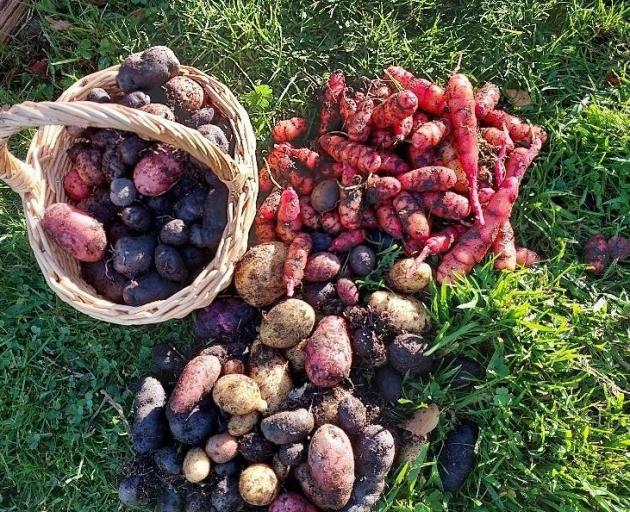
{"x": 321, "y": 267}
{"x": 105, "y": 280}
{"x": 288, "y": 426}
{"x": 148, "y": 69}
{"x": 351, "y": 415}
{"x": 296, "y": 356}
{"x": 148, "y": 430}
{"x": 148, "y": 288}
{"x": 133, "y": 255}
{"x": 328, "y": 476}
{"x": 287, "y": 323}
{"x": 374, "y": 452}
{"x": 258, "y": 275}
{"x": 367, "y": 491}
{"x": 271, "y": 372}
{"x": 196, "y": 466}
{"x": 328, "y": 352}
{"x": 194, "y": 427}
{"x": 291, "y": 502}
{"x": 405, "y": 313}
{"x": 399, "y": 281}
{"x": 457, "y": 457}
{"x": 258, "y": 485}
{"x": 222, "y": 448}
{"x": 406, "y": 354}
{"x": 225, "y": 496}
{"x": 76, "y": 232}
{"x": 196, "y": 380}
{"x": 238, "y": 394}
{"x": 157, "y": 172}
{"x": 241, "y": 424}
{"x": 255, "y": 448}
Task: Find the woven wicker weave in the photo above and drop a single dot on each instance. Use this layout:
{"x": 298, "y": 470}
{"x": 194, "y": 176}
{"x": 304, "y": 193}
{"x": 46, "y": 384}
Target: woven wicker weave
{"x": 39, "y": 182}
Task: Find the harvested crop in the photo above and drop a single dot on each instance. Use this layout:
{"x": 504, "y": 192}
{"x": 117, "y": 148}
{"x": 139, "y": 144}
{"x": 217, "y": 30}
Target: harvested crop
{"x": 78, "y": 234}
{"x": 225, "y": 495}
{"x": 389, "y": 383}
{"x": 149, "y": 423}
{"x": 351, "y": 415}
{"x": 195, "y": 382}
{"x": 347, "y": 292}
{"x": 105, "y": 280}
{"x": 404, "y": 313}
{"x": 169, "y": 459}
{"x": 258, "y": 485}
{"x": 134, "y": 255}
{"x": 175, "y": 232}
{"x": 596, "y": 255}
{"x": 322, "y": 266}
{"x": 255, "y": 448}
{"x": 183, "y": 95}
{"x": 287, "y": 323}
{"x": 457, "y": 457}
{"x": 428, "y": 179}
{"x": 221, "y": 448}
{"x": 328, "y": 352}
{"x": 270, "y": 371}
{"x": 149, "y": 287}
{"x": 291, "y": 502}
{"x": 295, "y": 264}
{"x": 328, "y": 476}
{"x": 75, "y": 187}
{"x": 289, "y": 129}
{"x": 215, "y": 135}
{"x": 225, "y": 317}
{"x": 238, "y": 394}
{"x": 239, "y": 425}
{"x": 148, "y": 69}
{"x": 407, "y": 276}
{"x": 330, "y": 117}
{"x": 170, "y": 264}
{"x": 406, "y": 354}
{"x": 619, "y": 248}
{"x": 288, "y": 426}
{"x": 196, "y": 466}
{"x": 137, "y": 218}
{"x": 292, "y": 454}
{"x": 258, "y": 275}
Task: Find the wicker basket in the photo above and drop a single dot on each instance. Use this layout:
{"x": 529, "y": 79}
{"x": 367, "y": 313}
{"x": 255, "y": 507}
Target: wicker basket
{"x": 39, "y": 183}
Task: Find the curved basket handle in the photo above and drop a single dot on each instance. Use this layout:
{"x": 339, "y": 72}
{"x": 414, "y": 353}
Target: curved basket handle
{"x": 20, "y": 177}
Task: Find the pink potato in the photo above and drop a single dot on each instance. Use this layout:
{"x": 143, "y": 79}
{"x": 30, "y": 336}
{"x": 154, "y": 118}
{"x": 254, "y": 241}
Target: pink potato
{"x": 78, "y": 234}
{"x": 328, "y": 352}
{"x": 327, "y": 478}
{"x": 291, "y": 502}
{"x": 196, "y": 380}
{"x": 75, "y": 187}
{"x": 157, "y": 172}
{"x": 321, "y": 266}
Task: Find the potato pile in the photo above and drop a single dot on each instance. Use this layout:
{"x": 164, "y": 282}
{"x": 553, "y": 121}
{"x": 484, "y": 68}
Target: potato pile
{"x": 143, "y": 218}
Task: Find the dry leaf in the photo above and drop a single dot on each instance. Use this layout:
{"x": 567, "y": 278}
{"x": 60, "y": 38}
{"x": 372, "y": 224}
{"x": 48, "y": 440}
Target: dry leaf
{"x": 612, "y": 79}
{"x": 58, "y": 25}
{"x": 518, "y": 97}
{"x": 423, "y": 421}
{"x": 39, "y": 68}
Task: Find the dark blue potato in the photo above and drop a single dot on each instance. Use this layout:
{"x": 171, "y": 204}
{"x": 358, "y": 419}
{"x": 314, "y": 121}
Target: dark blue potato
{"x": 467, "y": 374}
{"x": 230, "y": 468}
{"x": 194, "y": 427}
{"x": 161, "y": 205}
{"x": 216, "y": 136}
{"x": 133, "y": 490}
{"x": 169, "y": 459}
{"x": 389, "y": 383}
{"x": 175, "y": 232}
{"x": 166, "y": 359}
{"x": 351, "y": 415}
{"x": 362, "y": 260}
{"x": 195, "y": 258}
{"x": 379, "y": 240}
{"x": 105, "y": 280}
{"x": 99, "y": 206}
{"x": 406, "y": 354}
{"x": 151, "y": 68}
{"x": 292, "y": 454}
{"x": 224, "y": 317}
{"x": 205, "y": 238}
{"x": 321, "y": 241}
{"x": 98, "y": 95}
{"x": 255, "y": 448}
{"x": 135, "y": 99}
{"x": 169, "y": 501}
{"x": 197, "y": 499}
{"x": 134, "y": 255}
{"x": 137, "y": 217}
{"x": 366, "y": 492}
{"x": 201, "y": 117}
{"x": 457, "y": 457}
{"x": 225, "y": 496}
{"x": 148, "y": 288}
{"x": 117, "y": 231}
{"x": 190, "y": 207}
{"x": 374, "y": 451}
{"x": 103, "y": 138}
{"x": 325, "y": 196}
{"x": 288, "y": 426}
{"x": 131, "y": 149}
{"x": 226, "y": 128}
{"x": 215, "y": 208}
{"x": 187, "y": 184}
{"x": 322, "y": 296}
{"x": 149, "y": 430}
{"x": 370, "y": 348}
{"x": 170, "y": 264}
{"x": 112, "y": 164}
{"x": 122, "y": 192}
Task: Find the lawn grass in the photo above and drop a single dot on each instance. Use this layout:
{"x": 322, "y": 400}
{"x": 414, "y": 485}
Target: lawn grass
{"x": 554, "y": 421}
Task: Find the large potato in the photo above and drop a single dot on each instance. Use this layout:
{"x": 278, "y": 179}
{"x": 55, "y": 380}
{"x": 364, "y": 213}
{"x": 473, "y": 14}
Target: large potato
{"x": 328, "y": 352}
{"x": 78, "y": 234}
{"x": 149, "y": 426}
{"x": 288, "y": 426}
{"x": 238, "y": 394}
{"x": 258, "y": 485}
{"x": 258, "y": 276}
{"x": 271, "y": 372}
{"x": 287, "y": 323}
{"x": 405, "y": 313}
{"x": 196, "y": 466}
{"x": 328, "y": 476}
{"x": 406, "y": 276}
{"x": 195, "y": 381}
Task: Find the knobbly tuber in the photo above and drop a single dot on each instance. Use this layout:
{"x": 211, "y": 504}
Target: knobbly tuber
{"x": 287, "y": 323}
{"x": 270, "y": 371}
{"x": 258, "y": 275}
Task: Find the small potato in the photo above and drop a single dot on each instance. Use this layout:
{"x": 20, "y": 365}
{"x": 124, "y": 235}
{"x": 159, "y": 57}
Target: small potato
{"x": 222, "y": 448}
{"x": 325, "y": 196}
{"x": 255, "y": 448}
{"x": 241, "y": 424}
{"x": 281, "y": 470}
{"x": 406, "y": 354}
{"x": 406, "y": 276}
{"x": 321, "y": 267}
{"x": 351, "y": 415}
{"x": 271, "y": 372}
{"x": 157, "y": 171}
{"x": 169, "y": 460}
{"x": 258, "y": 275}
{"x": 238, "y": 394}
{"x": 149, "y": 69}
{"x": 196, "y": 465}
{"x": 288, "y": 426}
{"x": 405, "y": 313}
{"x": 296, "y": 356}
{"x": 292, "y": 454}
{"x": 287, "y": 323}
{"x": 78, "y": 234}
{"x": 291, "y": 502}
{"x": 258, "y": 485}
{"x": 75, "y": 187}
{"x": 133, "y": 255}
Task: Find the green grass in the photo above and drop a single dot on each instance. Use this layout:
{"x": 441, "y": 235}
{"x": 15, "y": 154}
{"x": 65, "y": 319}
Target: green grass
{"x": 554, "y": 421}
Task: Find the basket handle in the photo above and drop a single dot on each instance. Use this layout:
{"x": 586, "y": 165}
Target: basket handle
{"x": 21, "y": 177}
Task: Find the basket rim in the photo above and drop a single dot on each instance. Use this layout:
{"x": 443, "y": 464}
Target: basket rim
{"x": 217, "y": 273}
